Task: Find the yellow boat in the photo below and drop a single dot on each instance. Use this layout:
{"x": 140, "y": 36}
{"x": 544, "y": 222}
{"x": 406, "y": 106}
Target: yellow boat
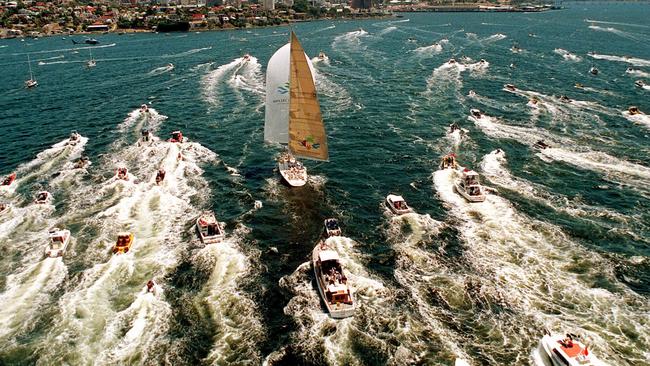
{"x": 124, "y": 242}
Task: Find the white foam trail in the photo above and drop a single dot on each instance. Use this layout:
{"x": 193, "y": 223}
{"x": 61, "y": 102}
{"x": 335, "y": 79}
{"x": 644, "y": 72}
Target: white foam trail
{"x": 249, "y": 77}
{"x": 567, "y": 55}
{"x": 161, "y": 70}
{"x": 627, "y": 59}
{"x": 387, "y": 30}
{"x": 187, "y": 53}
{"x": 494, "y": 38}
{"x": 432, "y": 49}
{"x": 643, "y": 119}
{"x": 639, "y": 73}
{"x": 527, "y": 262}
{"x": 618, "y": 32}
{"x": 616, "y": 23}
{"x": 350, "y": 38}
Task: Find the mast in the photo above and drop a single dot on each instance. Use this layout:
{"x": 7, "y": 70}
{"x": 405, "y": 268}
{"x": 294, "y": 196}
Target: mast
{"x": 307, "y": 137}
{"x": 29, "y": 63}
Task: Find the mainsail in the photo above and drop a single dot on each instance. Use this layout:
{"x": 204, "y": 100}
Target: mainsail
{"x": 307, "y": 136}
{"x": 276, "y": 114}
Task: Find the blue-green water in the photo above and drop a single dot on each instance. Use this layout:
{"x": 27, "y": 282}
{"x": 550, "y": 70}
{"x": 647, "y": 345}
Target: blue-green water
{"x": 563, "y": 243}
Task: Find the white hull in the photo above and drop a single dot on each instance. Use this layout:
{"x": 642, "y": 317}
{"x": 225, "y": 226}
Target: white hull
{"x": 294, "y": 179}
{"x": 558, "y": 357}
{"x": 391, "y": 205}
{"x": 337, "y": 311}
{"x": 60, "y": 252}
{"x": 205, "y": 236}
{"x": 462, "y": 192}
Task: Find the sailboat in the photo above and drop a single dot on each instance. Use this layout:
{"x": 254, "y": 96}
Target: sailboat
{"x": 292, "y": 115}
{"x": 31, "y": 83}
{"x": 91, "y": 62}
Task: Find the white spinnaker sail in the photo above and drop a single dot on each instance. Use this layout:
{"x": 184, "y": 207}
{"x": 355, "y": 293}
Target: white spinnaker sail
{"x": 276, "y": 114}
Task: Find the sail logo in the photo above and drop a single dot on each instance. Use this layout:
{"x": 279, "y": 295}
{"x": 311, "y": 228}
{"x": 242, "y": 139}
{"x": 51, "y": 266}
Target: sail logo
{"x": 310, "y": 143}
{"x": 283, "y": 89}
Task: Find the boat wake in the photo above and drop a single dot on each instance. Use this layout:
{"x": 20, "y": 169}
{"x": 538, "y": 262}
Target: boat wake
{"x": 568, "y": 56}
{"x": 627, "y": 59}
{"x": 618, "y": 32}
{"x": 161, "y": 70}
{"x": 350, "y": 39}
{"x": 431, "y": 50}
{"x": 238, "y": 75}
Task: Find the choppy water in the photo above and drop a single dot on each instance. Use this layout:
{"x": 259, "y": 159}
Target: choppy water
{"x": 563, "y": 245}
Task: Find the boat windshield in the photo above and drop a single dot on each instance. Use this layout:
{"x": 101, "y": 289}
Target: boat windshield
{"x": 56, "y": 245}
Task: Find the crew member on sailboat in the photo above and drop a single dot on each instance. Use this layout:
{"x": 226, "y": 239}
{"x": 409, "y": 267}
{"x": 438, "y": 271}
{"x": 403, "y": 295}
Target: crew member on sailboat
{"x": 290, "y": 83}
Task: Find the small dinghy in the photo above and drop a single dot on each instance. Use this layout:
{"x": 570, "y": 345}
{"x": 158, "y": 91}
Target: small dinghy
{"x": 568, "y": 350}
{"x": 58, "y": 245}
{"x": 640, "y": 83}
{"x": 177, "y": 136}
{"x": 7, "y": 180}
{"x": 633, "y": 111}
{"x": 209, "y": 228}
{"x": 43, "y": 198}
{"x": 332, "y": 228}
{"x": 122, "y": 173}
{"x": 123, "y": 243}
{"x": 468, "y": 186}
{"x": 397, "y": 204}
{"x": 332, "y": 282}
{"x": 160, "y": 176}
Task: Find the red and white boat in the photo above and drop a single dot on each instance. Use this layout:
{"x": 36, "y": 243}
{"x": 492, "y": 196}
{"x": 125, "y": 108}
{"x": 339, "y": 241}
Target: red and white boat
{"x": 210, "y": 230}
{"x": 177, "y": 136}
{"x": 122, "y": 173}
{"x": 160, "y": 176}
{"x": 568, "y": 350}
{"x": 43, "y": 198}
{"x": 8, "y": 179}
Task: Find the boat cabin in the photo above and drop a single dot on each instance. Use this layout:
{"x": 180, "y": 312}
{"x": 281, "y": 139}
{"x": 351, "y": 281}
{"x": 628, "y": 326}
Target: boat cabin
{"x": 470, "y": 184}
{"x": 336, "y": 289}
{"x": 9, "y": 179}
{"x": 448, "y": 161}
{"x": 177, "y": 136}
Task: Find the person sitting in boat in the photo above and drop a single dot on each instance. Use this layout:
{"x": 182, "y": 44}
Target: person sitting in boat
{"x": 150, "y": 286}
{"x": 567, "y": 342}
{"x": 476, "y": 113}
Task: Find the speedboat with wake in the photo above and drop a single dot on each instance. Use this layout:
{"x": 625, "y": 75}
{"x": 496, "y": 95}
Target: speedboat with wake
{"x": 640, "y": 83}
{"x": 468, "y": 186}
{"x": 123, "y": 243}
{"x": 332, "y": 228}
{"x": 634, "y": 111}
{"x": 177, "y": 136}
{"x": 152, "y": 287}
{"x": 4, "y": 208}
{"x": 160, "y": 176}
{"x": 292, "y": 171}
{"x": 8, "y": 179}
{"x": 122, "y": 173}
{"x": 43, "y": 198}
{"x": 510, "y": 87}
{"x": 210, "y": 230}
{"x": 74, "y": 138}
{"x": 397, "y": 204}
{"x": 541, "y": 145}
{"x": 533, "y": 102}
{"x": 144, "y": 108}
{"x": 82, "y": 162}
{"x": 246, "y": 58}
{"x": 322, "y": 56}
{"x": 58, "y": 245}
{"x": 448, "y": 162}
{"x": 568, "y": 350}
{"x": 146, "y": 135}
{"x": 476, "y": 113}
{"x": 332, "y": 282}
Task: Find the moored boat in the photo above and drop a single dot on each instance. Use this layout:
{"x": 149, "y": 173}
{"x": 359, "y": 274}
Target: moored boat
{"x": 468, "y": 186}
{"x": 43, "y": 198}
{"x": 123, "y": 243}
{"x": 397, "y": 204}
{"x": 122, "y": 173}
{"x": 332, "y": 283}
{"x": 332, "y": 228}
{"x": 209, "y": 228}
{"x": 7, "y": 180}
{"x": 58, "y": 243}
{"x": 568, "y": 350}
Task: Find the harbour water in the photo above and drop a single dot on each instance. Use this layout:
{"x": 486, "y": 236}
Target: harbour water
{"x": 562, "y": 244}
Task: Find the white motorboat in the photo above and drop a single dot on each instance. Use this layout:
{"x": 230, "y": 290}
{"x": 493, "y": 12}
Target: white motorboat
{"x": 568, "y": 350}
{"x": 210, "y": 230}
{"x": 640, "y": 83}
{"x": 144, "y": 108}
{"x": 593, "y": 71}
{"x": 332, "y": 282}
{"x": 468, "y": 186}
{"x": 43, "y": 198}
{"x": 448, "y": 162}
{"x": 397, "y": 204}
{"x": 297, "y": 121}
{"x": 292, "y": 171}
{"x": 153, "y": 288}
{"x": 633, "y": 111}
{"x": 476, "y": 113}
{"x": 170, "y": 66}
{"x": 58, "y": 245}
{"x": 74, "y": 138}
{"x": 122, "y": 173}
{"x": 246, "y": 58}
{"x": 510, "y": 87}
{"x": 533, "y": 103}
{"x": 4, "y": 208}
{"x": 332, "y": 228}
{"x": 322, "y": 56}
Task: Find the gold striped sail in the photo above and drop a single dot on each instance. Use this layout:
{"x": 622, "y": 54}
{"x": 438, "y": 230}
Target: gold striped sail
{"x": 307, "y": 138}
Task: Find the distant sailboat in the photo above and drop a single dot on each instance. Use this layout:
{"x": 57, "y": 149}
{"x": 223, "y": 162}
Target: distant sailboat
{"x": 292, "y": 115}
{"x": 91, "y": 62}
{"x": 31, "y": 83}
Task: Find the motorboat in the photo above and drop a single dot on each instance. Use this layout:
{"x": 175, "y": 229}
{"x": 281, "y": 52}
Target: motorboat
{"x": 177, "y": 136}
{"x": 160, "y": 176}
{"x": 568, "y": 350}
{"x": 565, "y": 99}
{"x": 91, "y": 63}
{"x": 210, "y": 230}
{"x": 122, "y": 173}
{"x": 471, "y": 94}
{"x": 86, "y": 41}
{"x": 170, "y": 66}
{"x": 292, "y": 171}
{"x": 123, "y": 243}
{"x": 533, "y": 102}
{"x": 451, "y": 61}
{"x": 476, "y": 113}
{"x": 322, "y": 56}
{"x": 640, "y": 83}
{"x": 510, "y": 87}
{"x": 454, "y": 127}
{"x": 397, "y": 204}
{"x": 144, "y": 108}
{"x": 31, "y": 83}
{"x": 43, "y": 198}
{"x": 468, "y": 186}
{"x": 332, "y": 282}
{"x": 633, "y": 110}
{"x": 82, "y": 162}
{"x": 515, "y": 49}
{"x": 7, "y": 180}
{"x": 152, "y": 287}
{"x": 448, "y": 162}
{"x": 332, "y": 228}
{"x": 593, "y": 71}
{"x": 4, "y": 208}
{"x": 146, "y": 135}
{"x": 74, "y": 138}
{"x": 540, "y": 144}
{"x": 246, "y": 57}
{"x": 411, "y": 39}
{"x": 58, "y": 245}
